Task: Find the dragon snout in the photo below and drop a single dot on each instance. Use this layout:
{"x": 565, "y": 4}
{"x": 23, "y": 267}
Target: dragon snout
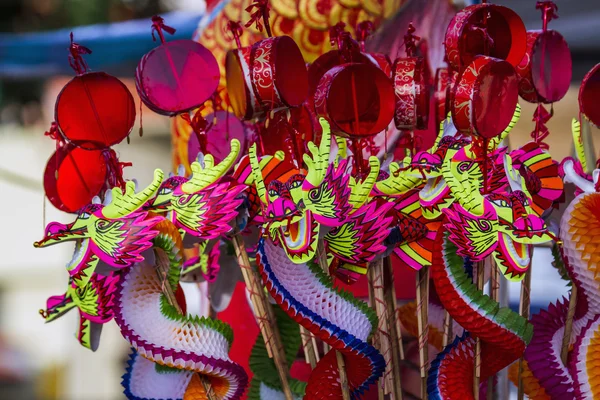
{"x": 281, "y": 209}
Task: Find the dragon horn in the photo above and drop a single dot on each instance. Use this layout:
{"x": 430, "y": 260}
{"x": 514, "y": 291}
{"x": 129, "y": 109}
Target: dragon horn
{"x": 203, "y": 177}
{"x": 578, "y": 142}
{"x": 180, "y": 170}
{"x": 123, "y": 204}
{"x": 256, "y": 171}
{"x": 512, "y": 175}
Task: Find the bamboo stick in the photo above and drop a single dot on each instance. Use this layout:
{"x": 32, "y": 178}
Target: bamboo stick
{"x": 394, "y": 323}
{"x": 494, "y": 293}
{"x": 477, "y": 370}
{"x": 264, "y": 314}
{"x": 162, "y": 270}
{"x": 524, "y": 304}
{"x": 448, "y": 329}
{"x": 376, "y": 280}
{"x": 423, "y": 325}
{"x": 311, "y": 353}
{"x": 564, "y": 351}
{"x": 322, "y": 260}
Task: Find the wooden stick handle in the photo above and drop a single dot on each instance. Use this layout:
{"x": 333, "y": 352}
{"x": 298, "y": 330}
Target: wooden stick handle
{"x": 564, "y": 351}
{"x": 524, "y": 303}
{"x": 322, "y": 259}
{"x": 162, "y": 270}
{"x": 395, "y": 327}
{"x": 266, "y": 320}
{"x": 479, "y": 278}
{"x": 423, "y": 325}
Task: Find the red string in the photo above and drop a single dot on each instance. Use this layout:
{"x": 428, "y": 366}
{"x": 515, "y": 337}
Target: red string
{"x": 76, "y": 60}
{"x": 363, "y": 31}
{"x": 236, "y": 30}
{"x": 549, "y": 12}
{"x": 259, "y": 10}
{"x": 541, "y": 116}
{"x": 158, "y": 26}
{"x": 115, "y": 168}
{"x": 200, "y": 126}
{"x": 410, "y": 40}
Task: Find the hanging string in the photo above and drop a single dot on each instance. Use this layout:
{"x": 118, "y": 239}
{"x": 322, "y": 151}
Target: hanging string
{"x": 115, "y": 168}
{"x": 541, "y": 116}
{"x": 261, "y": 12}
{"x": 200, "y": 126}
{"x": 76, "y": 60}
{"x": 158, "y": 26}
{"x": 549, "y": 12}
{"x": 410, "y": 40}
{"x": 363, "y": 31}
{"x": 236, "y": 30}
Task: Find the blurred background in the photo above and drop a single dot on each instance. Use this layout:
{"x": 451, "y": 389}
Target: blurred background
{"x": 45, "y": 362}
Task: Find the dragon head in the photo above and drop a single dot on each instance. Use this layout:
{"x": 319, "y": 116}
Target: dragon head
{"x": 283, "y": 212}
{"x": 500, "y": 222}
{"x": 203, "y": 205}
{"x": 117, "y": 233}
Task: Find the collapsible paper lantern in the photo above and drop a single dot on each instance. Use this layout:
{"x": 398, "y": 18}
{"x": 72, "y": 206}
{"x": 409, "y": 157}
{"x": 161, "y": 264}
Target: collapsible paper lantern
{"x": 485, "y": 97}
{"x": 94, "y": 111}
{"x": 239, "y": 84}
{"x": 545, "y": 71}
{"x": 73, "y": 176}
{"x": 485, "y": 29}
{"x": 589, "y": 93}
{"x": 411, "y": 93}
{"x": 176, "y": 77}
{"x": 226, "y": 128}
{"x": 357, "y": 99}
{"x": 279, "y": 77}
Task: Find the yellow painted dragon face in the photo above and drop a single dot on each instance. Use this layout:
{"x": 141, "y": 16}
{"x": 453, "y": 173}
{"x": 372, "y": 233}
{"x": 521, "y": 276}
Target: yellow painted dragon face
{"x": 117, "y": 233}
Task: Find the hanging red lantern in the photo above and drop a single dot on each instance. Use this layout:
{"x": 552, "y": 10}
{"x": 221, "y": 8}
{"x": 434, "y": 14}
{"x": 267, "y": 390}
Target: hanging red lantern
{"x": 545, "y": 71}
{"x": 73, "y": 176}
{"x": 176, "y": 76}
{"x": 589, "y": 93}
{"x": 357, "y": 99}
{"x": 485, "y": 29}
{"x": 94, "y": 110}
{"x": 485, "y": 97}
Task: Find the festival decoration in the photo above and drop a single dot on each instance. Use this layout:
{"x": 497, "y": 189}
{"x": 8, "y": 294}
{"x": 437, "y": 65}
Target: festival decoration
{"x": 280, "y": 175}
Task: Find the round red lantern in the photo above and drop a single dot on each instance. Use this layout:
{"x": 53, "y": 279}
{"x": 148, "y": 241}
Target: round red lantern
{"x": 239, "y": 84}
{"x": 589, "y": 93}
{"x": 357, "y": 99}
{"x": 225, "y": 128}
{"x": 279, "y": 77}
{"x": 545, "y": 71}
{"x": 411, "y": 94}
{"x": 94, "y": 111}
{"x": 73, "y": 176}
{"x": 485, "y": 29}
{"x": 177, "y": 76}
{"x": 485, "y": 97}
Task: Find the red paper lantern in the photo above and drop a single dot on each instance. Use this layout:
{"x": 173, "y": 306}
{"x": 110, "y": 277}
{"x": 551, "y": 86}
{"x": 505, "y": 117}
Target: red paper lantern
{"x": 298, "y": 124}
{"x": 239, "y": 84}
{"x": 411, "y": 94}
{"x": 357, "y": 99}
{"x": 589, "y": 93}
{"x": 545, "y": 71}
{"x": 95, "y": 110}
{"x": 485, "y": 97}
{"x": 176, "y": 77}
{"x": 73, "y": 176}
{"x": 485, "y": 29}
{"x": 333, "y": 58}
{"x": 279, "y": 77}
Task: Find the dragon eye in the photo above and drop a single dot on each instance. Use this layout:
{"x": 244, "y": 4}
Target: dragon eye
{"x": 84, "y": 215}
{"x": 295, "y": 184}
{"x": 273, "y": 192}
{"x": 314, "y": 194}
